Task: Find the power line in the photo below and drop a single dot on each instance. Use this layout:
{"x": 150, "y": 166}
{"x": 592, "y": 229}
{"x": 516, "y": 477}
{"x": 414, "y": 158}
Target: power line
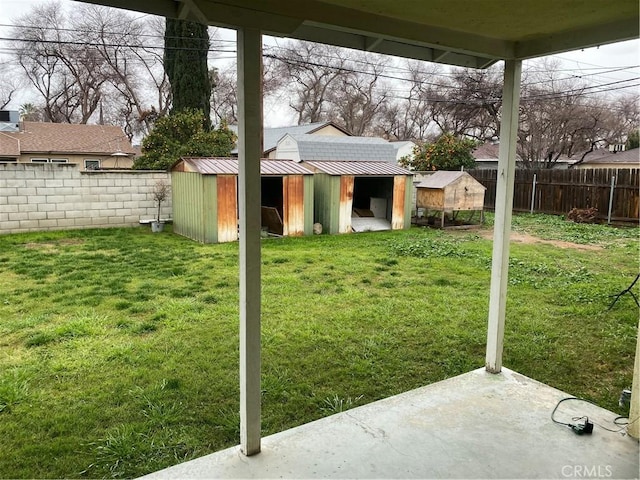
{"x": 350, "y": 70}
{"x": 112, "y": 45}
{"x": 101, "y": 32}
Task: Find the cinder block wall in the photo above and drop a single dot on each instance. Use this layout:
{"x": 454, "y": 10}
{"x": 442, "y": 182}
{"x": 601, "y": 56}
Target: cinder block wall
{"x": 57, "y": 196}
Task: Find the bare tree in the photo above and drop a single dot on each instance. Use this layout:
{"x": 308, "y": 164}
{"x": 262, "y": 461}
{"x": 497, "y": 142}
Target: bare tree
{"x": 68, "y": 75}
{"x": 314, "y": 68}
{"x": 9, "y": 86}
{"x": 408, "y": 116}
{"x": 557, "y": 119}
{"x": 359, "y": 95}
{"x": 94, "y": 59}
{"x": 132, "y": 51}
{"x": 224, "y": 98}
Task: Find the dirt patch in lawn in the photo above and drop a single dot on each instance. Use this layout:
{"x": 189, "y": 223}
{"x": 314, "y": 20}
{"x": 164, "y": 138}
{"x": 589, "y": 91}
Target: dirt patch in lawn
{"x": 518, "y": 237}
{"x": 51, "y": 247}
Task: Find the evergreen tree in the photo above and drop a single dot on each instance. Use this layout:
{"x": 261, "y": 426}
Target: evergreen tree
{"x": 186, "y": 45}
{"x": 633, "y": 140}
{"x": 182, "y": 134}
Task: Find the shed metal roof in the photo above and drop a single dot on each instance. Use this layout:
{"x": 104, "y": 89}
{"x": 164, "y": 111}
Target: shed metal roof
{"x": 229, "y": 166}
{"x": 331, "y": 148}
{"x": 358, "y": 168}
{"x": 442, "y": 178}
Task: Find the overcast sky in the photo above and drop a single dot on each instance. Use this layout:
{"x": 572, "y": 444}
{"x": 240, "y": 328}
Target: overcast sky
{"x": 624, "y": 54}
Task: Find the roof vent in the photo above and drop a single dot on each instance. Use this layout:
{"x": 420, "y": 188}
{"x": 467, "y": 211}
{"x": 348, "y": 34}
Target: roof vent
{"x": 9, "y": 121}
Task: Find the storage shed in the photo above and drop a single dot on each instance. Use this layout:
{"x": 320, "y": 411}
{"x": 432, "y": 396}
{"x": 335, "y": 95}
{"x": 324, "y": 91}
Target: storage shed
{"x": 357, "y": 184}
{"x": 361, "y": 196}
{"x": 205, "y": 198}
{"x": 448, "y": 192}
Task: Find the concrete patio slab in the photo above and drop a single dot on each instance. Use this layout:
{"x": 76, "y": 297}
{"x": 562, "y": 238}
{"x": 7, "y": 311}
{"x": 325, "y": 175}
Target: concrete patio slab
{"x": 476, "y": 425}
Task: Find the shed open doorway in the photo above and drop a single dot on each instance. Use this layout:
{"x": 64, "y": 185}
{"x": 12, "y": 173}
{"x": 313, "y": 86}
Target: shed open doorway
{"x": 272, "y": 205}
{"x": 372, "y": 203}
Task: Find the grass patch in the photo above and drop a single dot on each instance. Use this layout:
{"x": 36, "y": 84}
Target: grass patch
{"x": 119, "y": 349}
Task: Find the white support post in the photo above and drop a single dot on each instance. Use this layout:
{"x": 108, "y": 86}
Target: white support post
{"x": 249, "y": 152}
{"x": 634, "y": 411}
{"x": 611, "y": 190}
{"x": 533, "y": 192}
{"x": 504, "y": 206}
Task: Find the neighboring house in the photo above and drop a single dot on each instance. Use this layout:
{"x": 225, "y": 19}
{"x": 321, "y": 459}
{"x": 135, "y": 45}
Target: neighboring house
{"x": 605, "y": 159}
{"x": 486, "y": 157}
{"x": 271, "y": 136}
{"x": 403, "y": 148}
{"x": 91, "y": 147}
{"x": 357, "y": 184}
{"x": 315, "y": 147}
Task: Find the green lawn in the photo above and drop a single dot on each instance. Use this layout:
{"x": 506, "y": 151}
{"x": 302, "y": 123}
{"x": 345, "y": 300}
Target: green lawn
{"x": 119, "y": 348}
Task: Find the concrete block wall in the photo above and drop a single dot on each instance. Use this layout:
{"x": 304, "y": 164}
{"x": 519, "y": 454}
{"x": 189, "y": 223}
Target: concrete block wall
{"x": 58, "y": 196}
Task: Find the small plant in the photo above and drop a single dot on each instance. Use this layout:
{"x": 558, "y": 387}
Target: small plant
{"x": 338, "y": 404}
{"x": 160, "y": 193}
{"x": 13, "y": 390}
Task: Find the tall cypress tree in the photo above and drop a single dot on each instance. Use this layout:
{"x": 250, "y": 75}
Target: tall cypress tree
{"x": 186, "y": 45}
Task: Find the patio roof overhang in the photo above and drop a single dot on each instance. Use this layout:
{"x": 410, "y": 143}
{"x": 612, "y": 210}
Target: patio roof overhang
{"x": 459, "y": 32}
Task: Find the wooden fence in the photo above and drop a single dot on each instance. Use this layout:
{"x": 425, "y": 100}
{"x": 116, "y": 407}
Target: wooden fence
{"x": 558, "y": 191}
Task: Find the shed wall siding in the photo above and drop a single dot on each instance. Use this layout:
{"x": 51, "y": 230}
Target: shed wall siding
{"x": 293, "y": 205}
{"x": 464, "y": 194}
{"x": 227, "y": 208}
{"x": 308, "y": 204}
{"x": 430, "y": 198}
{"x": 397, "y": 212}
{"x": 326, "y": 201}
{"x": 210, "y": 208}
{"x": 187, "y": 207}
{"x": 346, "y": 203}
{"x": 408, "y": 201}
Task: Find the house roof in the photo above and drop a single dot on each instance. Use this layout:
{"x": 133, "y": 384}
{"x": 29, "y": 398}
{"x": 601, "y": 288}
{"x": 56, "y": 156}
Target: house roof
{"x": 486, "y": 151}
{"x": 443, "y": 178}
{"x": 457, "y": 32}
{"x": 357, "y": 168}
{"x": 398, "y": 144}
{"x": 272, "y": 135}
{"x": 229, "y": 166}
{"x": 605, "y": 156}
{"x": 67, "y": 138}
{"x": 9, "y": 146}
{"x": 331, "y": 148}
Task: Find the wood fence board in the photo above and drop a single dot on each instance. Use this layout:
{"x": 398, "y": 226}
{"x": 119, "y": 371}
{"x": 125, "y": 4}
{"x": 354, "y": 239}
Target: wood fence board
{"x": 558, "y": 191}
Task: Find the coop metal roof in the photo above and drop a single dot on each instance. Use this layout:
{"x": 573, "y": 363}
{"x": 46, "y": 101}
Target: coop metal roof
{"x": 441, "y": 179}
{"x": 332, "y": 148}
{"x": 229, "y": 166}
{"x": 357, "y": 168}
